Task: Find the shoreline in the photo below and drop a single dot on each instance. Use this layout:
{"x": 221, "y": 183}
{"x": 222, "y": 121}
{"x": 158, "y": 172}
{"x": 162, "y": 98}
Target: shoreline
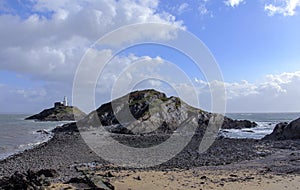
{"x": 19, "y": 134}
{"x": 231, "y": 135}
{"x": 62, "y": 141}
{"x": 52, "y": 133}
{"x": 67, "y": 154}
{"x": 36, "y": 146}
{"x": 30, "y": 145}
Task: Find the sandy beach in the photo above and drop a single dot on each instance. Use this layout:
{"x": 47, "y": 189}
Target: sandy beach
{"x": 205, "y": 179}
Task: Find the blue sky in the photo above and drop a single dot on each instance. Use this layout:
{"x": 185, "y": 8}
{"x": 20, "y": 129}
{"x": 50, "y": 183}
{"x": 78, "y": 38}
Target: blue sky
{"x": 245, "y": 40}
{"x": 255, "y": 43}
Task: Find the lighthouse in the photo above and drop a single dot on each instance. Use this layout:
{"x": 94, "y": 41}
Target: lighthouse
{"x": 65, "y": 102}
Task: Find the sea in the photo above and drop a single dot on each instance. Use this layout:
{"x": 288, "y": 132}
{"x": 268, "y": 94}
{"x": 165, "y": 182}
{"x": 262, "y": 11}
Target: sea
{"x": 18, "y": 134}
{"x": 266, "y": 123}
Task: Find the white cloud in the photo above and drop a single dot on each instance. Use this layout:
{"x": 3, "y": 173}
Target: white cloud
{"x": 277, "y": 93}
{"x": 244, "y": 88}
{"x": 284, "y": 7}
{"x": 233, "y": 3}
{"x": 50, "y": 47}
{"x": 125, "y": 70}
{"x": 31, "y": 93}
{"x": 23, "y": 100}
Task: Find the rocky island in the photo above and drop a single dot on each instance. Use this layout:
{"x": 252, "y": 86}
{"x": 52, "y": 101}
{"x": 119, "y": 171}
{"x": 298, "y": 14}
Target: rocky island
{"x": 67, "y": 162}
{"x": 149, "y": 111}
{"x": 60, "y": 112}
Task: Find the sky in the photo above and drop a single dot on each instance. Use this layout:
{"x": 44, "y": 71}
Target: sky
{"x": 254, "y": 43}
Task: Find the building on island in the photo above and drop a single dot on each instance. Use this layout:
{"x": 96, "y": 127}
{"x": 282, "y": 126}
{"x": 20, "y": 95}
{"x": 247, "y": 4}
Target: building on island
{"x": 61, "y": 104}
{"x": 65, "y": 102}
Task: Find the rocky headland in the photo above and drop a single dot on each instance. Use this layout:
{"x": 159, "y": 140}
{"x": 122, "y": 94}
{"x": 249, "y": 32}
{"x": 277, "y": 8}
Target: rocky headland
{"x": 58, "y": 113}
{"x": 150, "y": 111}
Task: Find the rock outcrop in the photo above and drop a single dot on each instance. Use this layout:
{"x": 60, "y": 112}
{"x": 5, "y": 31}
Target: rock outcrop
{"x": 141, "y": 112}
{"x": 28, "y": 180}
{"x": 41, "y": 180}
{"x": 285, "y": 131}
{"x": 237, "y": 124}
{"x": 58, "y": 113}
{"x": 148, "y": 111}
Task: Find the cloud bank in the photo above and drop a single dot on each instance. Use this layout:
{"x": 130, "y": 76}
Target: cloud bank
{"x": 48, "y": 44}
{"x": 276, "y": 93}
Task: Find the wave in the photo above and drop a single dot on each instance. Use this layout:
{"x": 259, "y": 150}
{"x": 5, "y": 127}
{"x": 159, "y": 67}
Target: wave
{"x": 21, "y": 148}
{"x": 263, "y": 129}
{"x": 247, "y": 114}
{"x": 37, "y": 139}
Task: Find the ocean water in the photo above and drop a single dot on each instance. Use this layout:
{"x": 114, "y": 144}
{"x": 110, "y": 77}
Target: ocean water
{"x": 17, "y": 134}
{"x": 266, "y": 123}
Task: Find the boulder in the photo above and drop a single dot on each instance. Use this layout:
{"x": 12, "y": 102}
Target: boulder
{"x": 285, "y": 131}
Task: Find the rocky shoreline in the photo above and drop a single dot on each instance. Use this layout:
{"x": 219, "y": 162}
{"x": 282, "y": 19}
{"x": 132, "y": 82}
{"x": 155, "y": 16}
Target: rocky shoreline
{"x": 66, "y": 151}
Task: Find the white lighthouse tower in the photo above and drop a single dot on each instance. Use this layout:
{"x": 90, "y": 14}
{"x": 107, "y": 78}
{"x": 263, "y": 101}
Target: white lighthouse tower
{"x": 65, "y": 102}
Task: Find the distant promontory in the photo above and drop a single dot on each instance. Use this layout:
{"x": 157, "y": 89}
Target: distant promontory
{"x": 60, "y": 112}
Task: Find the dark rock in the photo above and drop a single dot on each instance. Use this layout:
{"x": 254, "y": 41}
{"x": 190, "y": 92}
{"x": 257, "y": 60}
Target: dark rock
{"x": 203, "y": 177}
{"x": 91, "y": 183}
{"x": 277, "y": 132}
{"x": 237, "y": 124}
{"x": 77, "y": 180}
{"x": 47, "y": 173}
{"x": 118, "y": 129}
{"x": 248, "y": 131}
{"x": 28, "y": 180}
{"x": 43, "y": 132}
{"x": 58, "y": 113}
{"x": 79, "y": 183}
{"x": 285, "y": 131}
{"x": 109, "y": 174}
{"x": 249, "y": 178}
{"x": 152, "y": 112}
{"x": 69, "y": 127}
{"x": 137, "y": 178}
